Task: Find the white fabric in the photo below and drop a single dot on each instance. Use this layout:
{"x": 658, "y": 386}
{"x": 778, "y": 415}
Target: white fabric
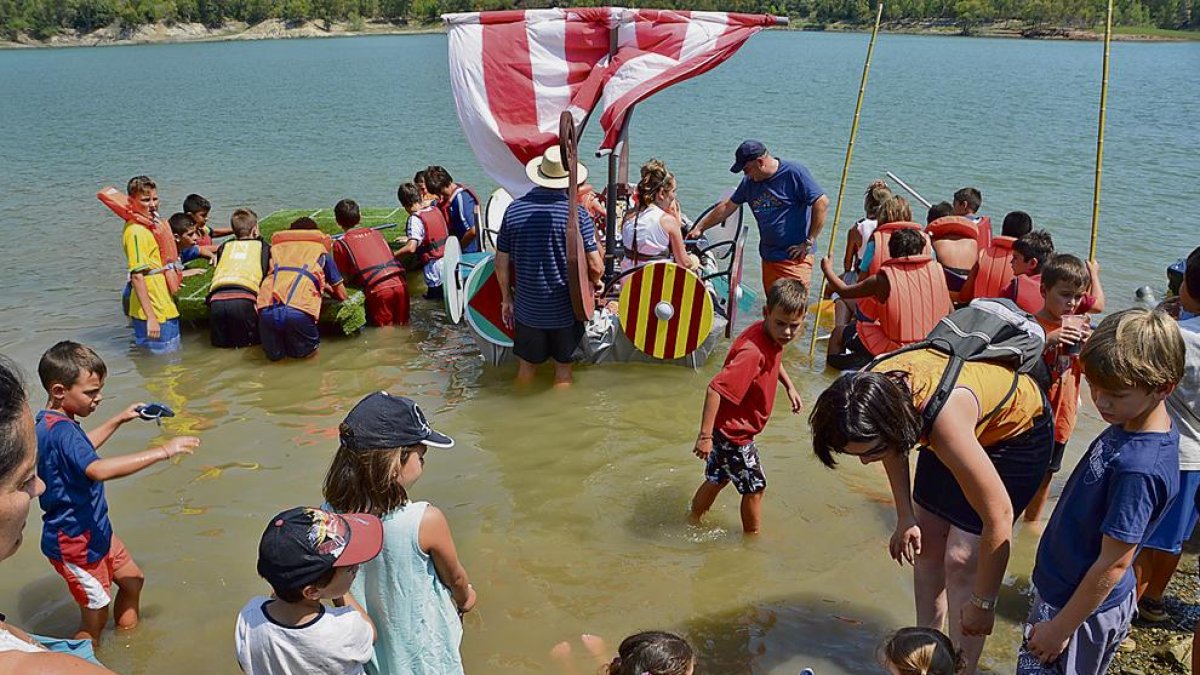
{"x": 12, "y": 643}
{"x": 866, "y": 227}
{"x": 338, "y": 642}
{"x": 652, "y": 239}
{"x": 1184, "y": 402}
{"x": 96, "y": 592}
{"x": 415, "y": 230}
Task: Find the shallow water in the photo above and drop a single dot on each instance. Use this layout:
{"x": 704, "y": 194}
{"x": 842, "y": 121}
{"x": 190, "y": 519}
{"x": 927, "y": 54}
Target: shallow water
{"x": 567, "y": 507}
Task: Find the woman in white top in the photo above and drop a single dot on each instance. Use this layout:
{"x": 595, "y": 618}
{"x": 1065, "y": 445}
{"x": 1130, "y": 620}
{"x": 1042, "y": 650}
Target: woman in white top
{"x": 653, "y": 231}
{"x": 19, "y": 486}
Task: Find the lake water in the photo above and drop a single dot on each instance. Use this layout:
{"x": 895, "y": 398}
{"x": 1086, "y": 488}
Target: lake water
{"x": 567, "y": 507}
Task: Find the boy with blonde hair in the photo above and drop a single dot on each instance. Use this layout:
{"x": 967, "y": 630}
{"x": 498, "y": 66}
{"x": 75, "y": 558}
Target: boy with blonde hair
{"x": 1083, "y": 582}
{"x": 739, "y": 402}
{"x": 151, "y": 307}
{"x": 77, "y": 535}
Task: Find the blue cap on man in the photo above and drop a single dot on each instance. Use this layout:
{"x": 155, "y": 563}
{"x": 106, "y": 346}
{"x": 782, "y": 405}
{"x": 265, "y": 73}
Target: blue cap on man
{"x": 747, "y": 151}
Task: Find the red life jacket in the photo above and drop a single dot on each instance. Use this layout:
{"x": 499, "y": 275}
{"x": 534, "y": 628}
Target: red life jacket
{"x": 917, "y": 301}
{"x": 985, "y": 232}
{"x": 437, "y": 231}
{"x": 370, "y": 257}
{"x": 994, "y": 274}
{"x": 172, "y": 270}
{"x": 882, "y": 234}
{"x": 1026, "y": 291}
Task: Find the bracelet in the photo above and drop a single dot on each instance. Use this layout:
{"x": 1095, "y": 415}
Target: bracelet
{"x": 983, "y": 603}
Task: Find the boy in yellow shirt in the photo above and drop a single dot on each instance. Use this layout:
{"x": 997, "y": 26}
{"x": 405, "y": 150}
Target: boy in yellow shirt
{"x": 151, "y": 308}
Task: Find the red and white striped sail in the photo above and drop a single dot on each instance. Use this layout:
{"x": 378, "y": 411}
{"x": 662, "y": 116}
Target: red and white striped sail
{"x": 514, "y": 72}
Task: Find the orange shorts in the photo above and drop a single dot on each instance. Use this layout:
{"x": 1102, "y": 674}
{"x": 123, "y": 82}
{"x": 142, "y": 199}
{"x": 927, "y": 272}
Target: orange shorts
{"x": 89, "y": 584}
{"x": 772, "y": 271}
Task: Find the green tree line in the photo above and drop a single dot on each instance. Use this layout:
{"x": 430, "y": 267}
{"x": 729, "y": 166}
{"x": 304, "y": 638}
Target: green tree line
{"x": 44, "y": 18}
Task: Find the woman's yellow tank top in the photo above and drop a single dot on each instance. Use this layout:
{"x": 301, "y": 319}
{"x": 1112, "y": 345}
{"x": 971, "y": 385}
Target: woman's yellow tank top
{"x": 988, "y": 382}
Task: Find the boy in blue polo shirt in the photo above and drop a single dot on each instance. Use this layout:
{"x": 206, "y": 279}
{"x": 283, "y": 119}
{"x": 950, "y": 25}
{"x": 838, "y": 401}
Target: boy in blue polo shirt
{"x": 77, "y": 536}
{"x": 1083, "y": 582}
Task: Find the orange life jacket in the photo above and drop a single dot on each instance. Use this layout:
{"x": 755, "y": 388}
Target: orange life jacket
{"x": 917, "y": 301}
{"x": 296, "y": 277}
{"x": 172, "y": 270}
{"x": 880, "y": 237}
{"x": 994, "y": 274}
{"x": 1026, "y": 291}
{"x": 370, "y": 256}
{"x": 437, "y": 231}
{"x": 953, "y": 226}
{"x": 985, "y": 232}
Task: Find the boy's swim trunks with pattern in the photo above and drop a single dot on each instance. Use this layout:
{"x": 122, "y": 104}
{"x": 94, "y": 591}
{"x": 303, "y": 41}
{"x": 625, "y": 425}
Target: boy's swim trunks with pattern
{"x": 738, "y": 464}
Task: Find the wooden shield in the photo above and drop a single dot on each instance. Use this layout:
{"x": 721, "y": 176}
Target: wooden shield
{"x": 665, "y": 310}
{"x": 483, "y": 305}
{"x": 583, "y": 298}
{"x": 735, "y": 285}
{"x": 452, "y": 285}
{"x": 497, "y": 204}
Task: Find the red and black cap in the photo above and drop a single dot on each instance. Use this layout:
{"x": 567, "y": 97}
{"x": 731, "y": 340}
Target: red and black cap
{"x": 302, "y": 544}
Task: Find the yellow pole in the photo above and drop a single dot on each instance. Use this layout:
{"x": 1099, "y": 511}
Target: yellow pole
{"x": 837, "y": 210}
{"x": 1100, "y": 133}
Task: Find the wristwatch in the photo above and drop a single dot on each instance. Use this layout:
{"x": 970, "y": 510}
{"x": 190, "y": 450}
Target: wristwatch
{"x": 983, "y": 603}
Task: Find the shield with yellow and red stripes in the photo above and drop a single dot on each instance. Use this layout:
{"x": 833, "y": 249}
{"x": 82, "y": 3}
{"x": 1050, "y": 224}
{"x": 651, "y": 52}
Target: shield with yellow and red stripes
{"x": 665, "y": 310}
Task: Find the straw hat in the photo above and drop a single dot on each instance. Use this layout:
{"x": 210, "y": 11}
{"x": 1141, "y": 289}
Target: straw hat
{"x": 548, "y": 170}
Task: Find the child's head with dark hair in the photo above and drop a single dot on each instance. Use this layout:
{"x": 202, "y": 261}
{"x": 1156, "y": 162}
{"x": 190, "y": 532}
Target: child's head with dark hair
{"x": 181, "y": 223}
{"x": 420, "y": 180}
{"x": 653, "y": 653}
{"x": 1017, "y": 224}
{"x": 346, "y": 213}
{"x": 787, "y": 301}
{"x": 967, "y": 201}
{"x": 73, "y": 375}
{"x": 1031, "y": 252}
{"x": 938, "y": 210}
{"x": 920, "y": 651}
{"x": 878, "y": 192}
{"x": 304, "y": 223}
{"x": 906, "y": 242}
{"x": 409, "y": 195}
{"x": 866, "y": 414}
{"x": 244, "y": 224}
{"x": 195, "y": 204}
{"x": 437, "y": 180}
{"x": 1190, "y": 288}
{"x": 16, "y": 441}
{"x": 1066, "y": 269}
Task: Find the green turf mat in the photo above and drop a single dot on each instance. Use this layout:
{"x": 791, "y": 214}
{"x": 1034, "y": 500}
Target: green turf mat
{"x": 348, "y": 316}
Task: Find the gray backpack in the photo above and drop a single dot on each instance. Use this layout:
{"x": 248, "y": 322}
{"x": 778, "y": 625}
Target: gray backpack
{"x": 989, "y": 329}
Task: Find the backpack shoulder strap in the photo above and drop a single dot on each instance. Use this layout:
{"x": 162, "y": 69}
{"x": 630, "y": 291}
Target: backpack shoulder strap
{"x": 941, "y": 394}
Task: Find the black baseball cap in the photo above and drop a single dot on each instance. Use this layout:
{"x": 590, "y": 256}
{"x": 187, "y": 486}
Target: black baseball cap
{"x": 747, "y": 151}
{"x": 302, "y": 544}
{"x": 382, "y": 421}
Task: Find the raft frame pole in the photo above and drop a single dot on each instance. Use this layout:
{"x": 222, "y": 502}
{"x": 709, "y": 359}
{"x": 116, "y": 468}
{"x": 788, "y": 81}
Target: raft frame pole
{"x": 1100, "y": 133}
{"x": 837, "y": 210}
{"x": 908, "y": 188}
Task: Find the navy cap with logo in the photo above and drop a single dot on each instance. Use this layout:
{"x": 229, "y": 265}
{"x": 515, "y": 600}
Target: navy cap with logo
{"x": 302, "y": 544}
{"x": 382, "y": 422}
{"x": 747, "y": 151}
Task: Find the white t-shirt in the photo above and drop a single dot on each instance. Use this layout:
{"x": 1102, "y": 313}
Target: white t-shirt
{"x": 337, "y": 641}
{"x": 433, "y": 271}
{"x": 1184, "y": 402}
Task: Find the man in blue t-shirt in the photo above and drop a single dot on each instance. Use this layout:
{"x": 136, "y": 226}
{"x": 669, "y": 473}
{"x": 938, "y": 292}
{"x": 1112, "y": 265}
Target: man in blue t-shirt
{"x": 1083, "y": 582}
{"x": 781, "y": 194}
{"x": 533, "y": 238}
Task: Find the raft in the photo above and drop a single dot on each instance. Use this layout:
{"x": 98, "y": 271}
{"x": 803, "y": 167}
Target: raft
{"x": 345, "y": 317}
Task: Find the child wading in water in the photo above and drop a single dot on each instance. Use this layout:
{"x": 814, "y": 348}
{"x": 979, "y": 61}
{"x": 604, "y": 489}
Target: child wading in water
{"x": 739, "y": 402}
{"x": 416, "y": 590}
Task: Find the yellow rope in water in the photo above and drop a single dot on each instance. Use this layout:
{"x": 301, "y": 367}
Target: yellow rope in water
{"x": 1100, "y": 134}
{"x": 837, "y": 210}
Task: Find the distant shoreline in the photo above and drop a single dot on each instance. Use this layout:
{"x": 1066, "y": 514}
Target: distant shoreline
{"x": 273, "y": 29}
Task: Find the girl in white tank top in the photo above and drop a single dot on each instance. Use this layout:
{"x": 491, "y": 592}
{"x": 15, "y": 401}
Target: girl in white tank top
{"x": 653, "y": 231}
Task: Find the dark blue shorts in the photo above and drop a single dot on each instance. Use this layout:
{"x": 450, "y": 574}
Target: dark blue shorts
{"x": 287, "y": 331}
{"x": 168, "y": 340}
{"x": 738, "y": 464}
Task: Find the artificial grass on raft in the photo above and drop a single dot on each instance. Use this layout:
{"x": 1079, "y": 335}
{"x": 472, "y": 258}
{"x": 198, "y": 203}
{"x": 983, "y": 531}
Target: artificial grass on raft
{"x": 347, "y": 316}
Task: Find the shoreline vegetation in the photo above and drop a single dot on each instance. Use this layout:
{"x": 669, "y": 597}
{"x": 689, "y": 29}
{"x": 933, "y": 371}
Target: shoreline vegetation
{"x": 162, "y": 32}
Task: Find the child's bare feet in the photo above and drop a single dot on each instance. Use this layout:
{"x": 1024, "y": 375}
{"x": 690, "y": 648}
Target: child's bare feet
{"x": 596, "y": 647}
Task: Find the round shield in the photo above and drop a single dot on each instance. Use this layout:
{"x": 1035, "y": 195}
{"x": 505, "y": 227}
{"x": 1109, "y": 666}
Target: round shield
{"x": 497, "y": 204}
{"x": 452, "y": 287}
{"x": 735, "y": 285}
{"x": 483, "y": 305}
{"x": 665, "y": 310}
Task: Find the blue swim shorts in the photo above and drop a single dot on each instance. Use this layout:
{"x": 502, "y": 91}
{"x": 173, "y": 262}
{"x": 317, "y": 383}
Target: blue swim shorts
{"x": 167, "y": 342}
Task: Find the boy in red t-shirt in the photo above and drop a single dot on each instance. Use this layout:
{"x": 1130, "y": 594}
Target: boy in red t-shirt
{"x": 1070, "y": 288}
{"x": 739, "y": 402}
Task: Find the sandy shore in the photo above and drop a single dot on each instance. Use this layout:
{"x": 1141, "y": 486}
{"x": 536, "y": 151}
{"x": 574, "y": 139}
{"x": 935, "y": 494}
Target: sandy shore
{"x": 271, "y": 29}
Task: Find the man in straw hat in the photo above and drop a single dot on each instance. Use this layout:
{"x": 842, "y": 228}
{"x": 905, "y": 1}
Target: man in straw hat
{"x": 533, "y": 238}
{"x": 788, "y": 205}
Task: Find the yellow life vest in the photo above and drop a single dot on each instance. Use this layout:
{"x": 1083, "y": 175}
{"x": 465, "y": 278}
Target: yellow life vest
{"x": 240, "y": 266}
{"x": 296, "y": 277}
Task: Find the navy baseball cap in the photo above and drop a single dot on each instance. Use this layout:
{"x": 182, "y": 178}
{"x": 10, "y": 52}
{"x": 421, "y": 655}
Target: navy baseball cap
{"x": 382, "y": 422}
{"x": 747, "y": 151}
{"x": 302, "y": 544}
